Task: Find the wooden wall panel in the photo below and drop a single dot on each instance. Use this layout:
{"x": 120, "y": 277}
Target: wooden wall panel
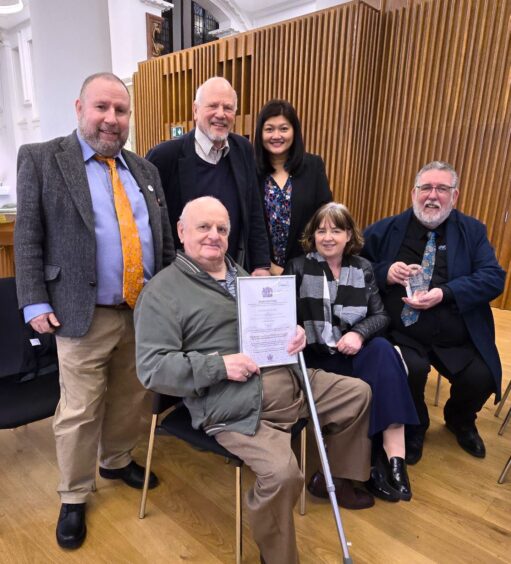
{"x": 6, "y": 249}
{"x": 379, "y": 94}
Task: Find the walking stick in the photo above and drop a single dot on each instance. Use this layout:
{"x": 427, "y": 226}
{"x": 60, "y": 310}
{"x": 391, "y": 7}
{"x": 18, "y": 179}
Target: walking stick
{"x": 324, "y": 461}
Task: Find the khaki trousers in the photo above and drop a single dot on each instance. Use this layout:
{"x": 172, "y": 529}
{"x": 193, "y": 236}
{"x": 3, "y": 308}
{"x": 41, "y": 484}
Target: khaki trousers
{"x": 343, "y": 406}
{"x": 100, "y": 403}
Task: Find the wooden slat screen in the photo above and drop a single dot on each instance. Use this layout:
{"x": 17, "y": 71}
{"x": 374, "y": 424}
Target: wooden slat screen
{"x": 379, "y": 93}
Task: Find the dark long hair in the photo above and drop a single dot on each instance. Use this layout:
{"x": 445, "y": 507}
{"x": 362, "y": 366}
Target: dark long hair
{"x": 271, "y": 109}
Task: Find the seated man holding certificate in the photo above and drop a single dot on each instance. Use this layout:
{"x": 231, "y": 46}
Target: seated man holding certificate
{"x": 187, "y": 345}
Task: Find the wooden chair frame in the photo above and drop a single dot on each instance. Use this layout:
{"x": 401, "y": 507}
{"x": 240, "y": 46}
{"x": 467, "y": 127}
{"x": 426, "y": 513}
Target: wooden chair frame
{"x": 238, "y": 484}
{"x": 505, "y": 470}
{"x": 499, "y": 409}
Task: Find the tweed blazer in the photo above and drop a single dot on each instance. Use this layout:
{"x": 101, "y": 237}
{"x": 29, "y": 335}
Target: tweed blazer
{"x": 54, "y": 238}
{"x": 176, "y": 161}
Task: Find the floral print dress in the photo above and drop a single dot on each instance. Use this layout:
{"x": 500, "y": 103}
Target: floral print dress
{"x": 277, "y": 204}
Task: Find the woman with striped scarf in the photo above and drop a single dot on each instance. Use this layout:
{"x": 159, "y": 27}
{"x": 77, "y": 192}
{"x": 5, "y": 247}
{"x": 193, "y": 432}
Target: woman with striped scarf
{"x": 342, "y": 313}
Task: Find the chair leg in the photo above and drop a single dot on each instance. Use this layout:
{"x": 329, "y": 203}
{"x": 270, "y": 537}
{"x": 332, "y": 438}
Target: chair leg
{"x": 503, "y": 399}
{"x": 303, "y": 456}
{"x": 505, "y": 471}
{"x": 149, "y": 459}
{"x": 239, "y": 539}
{"x": 506, "y": 421}
{"x": 438, "y": 384}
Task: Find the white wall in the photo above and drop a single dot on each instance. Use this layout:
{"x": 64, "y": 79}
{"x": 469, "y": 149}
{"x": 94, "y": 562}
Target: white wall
{"x": 128, "y": 33}
{"x": 71, "y": 41}
{"x": 278, "y": 14}
{"x": 19, "y": 119}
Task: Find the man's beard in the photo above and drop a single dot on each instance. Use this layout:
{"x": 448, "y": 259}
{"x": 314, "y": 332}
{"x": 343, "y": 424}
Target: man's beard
{"x": 216, "y": 138}
{"x": 102, "y": 147}
{"x": 432, "y": 220}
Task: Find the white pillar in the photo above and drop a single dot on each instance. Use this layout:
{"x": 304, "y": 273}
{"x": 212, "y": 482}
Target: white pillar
{"x": 71, "y": 40}
{"x": 7, "y": 141}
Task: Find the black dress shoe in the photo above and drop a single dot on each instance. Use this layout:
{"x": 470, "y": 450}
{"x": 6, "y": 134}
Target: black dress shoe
{"x": 379, "y": 487}
{"x": 414, "y": 444}
{"x": 133, "y": 475}
{"x": 71, "y": 529}
{"x": 469, "y": 439}
{"x": 398, "y": 478}
{"x": 347, "y": 495}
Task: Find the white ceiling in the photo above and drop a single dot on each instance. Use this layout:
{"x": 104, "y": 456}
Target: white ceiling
{"x": 249, "y": 11}
{"x": 253, "y": 9}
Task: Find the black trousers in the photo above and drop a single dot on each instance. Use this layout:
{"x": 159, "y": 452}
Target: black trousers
{"x": 470, "y": 387}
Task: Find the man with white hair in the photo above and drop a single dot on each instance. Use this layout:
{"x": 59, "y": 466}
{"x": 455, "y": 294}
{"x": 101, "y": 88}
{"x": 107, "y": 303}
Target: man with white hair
{"x": 449, "y": 326}
{"x": 210, "y": 160}
{"x": 186, "y": 325}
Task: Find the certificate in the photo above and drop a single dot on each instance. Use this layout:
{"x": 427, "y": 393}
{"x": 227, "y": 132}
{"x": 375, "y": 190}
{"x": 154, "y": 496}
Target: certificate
{"x": 267, "y": 318}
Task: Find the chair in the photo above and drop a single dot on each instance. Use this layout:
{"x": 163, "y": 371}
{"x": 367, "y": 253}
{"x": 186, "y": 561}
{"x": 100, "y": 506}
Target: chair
{"x": 29, "y": 375}
{"x": 178, "y": 423}
{"x": 505, "y": 422}
{"x": 437, "y": 391}
{"x": 499, "y": 409}
{"x": 505, "y": 470}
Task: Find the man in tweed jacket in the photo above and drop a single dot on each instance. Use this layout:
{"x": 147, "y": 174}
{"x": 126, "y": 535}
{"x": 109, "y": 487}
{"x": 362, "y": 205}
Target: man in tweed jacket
{"x": 69, "y": 274}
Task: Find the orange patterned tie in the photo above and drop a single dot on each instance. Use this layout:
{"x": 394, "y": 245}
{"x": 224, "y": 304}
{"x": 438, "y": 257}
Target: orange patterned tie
{"x": 133, "y": 274}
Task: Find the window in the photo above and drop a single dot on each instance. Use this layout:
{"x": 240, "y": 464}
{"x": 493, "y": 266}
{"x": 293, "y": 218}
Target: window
{"x": 166, "y": 32}
{"x": 202, "y": 23}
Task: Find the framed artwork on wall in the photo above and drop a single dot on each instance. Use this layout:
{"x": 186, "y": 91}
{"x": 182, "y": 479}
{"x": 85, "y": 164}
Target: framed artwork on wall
{"x": 154, "y": 31}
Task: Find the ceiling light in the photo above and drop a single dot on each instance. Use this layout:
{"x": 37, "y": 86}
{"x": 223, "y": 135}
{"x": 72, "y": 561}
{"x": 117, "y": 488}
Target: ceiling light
{"x": 11, "y": 8}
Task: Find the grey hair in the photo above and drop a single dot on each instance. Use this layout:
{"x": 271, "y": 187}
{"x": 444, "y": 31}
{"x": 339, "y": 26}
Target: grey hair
{"x": 198, "y": 94}
{"x": 439, "y": 165}
{"x": 202, "y": 200}
{"x": 105, "y": 76}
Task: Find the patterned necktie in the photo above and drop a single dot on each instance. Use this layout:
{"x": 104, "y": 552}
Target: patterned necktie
{"x": 409, "y": 315}
{"x": 133, "y": 269}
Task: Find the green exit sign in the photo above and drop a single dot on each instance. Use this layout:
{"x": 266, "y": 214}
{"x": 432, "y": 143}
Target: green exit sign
{"x": 176, "y": 131}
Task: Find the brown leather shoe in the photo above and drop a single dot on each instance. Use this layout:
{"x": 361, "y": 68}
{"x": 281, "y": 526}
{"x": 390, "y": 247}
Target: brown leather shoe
{"x": 347, "y": 495}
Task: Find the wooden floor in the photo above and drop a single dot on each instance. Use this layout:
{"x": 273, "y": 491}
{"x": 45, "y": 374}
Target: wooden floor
{"x": 458, "y": 513}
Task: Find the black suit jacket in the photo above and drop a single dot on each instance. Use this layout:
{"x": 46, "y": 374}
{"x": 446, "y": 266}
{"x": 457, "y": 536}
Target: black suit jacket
{"x": 175, "y": 161}
{"x": 310, "y": 191}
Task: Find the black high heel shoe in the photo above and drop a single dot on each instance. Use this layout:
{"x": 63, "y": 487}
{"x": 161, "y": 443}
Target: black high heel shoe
{"x": 397, "y": 478}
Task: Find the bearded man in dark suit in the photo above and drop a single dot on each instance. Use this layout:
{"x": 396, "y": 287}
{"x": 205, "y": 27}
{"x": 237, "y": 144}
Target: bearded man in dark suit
{"x": 450, "y": 325}
{"x": 210, "y": 160}
{"x": 92, "y": 228}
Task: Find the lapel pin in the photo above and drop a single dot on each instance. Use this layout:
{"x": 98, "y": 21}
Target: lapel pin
{"x": 150, "y": 188}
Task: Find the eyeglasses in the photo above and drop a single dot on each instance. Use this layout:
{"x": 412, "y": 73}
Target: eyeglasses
{"x": 441, "y": 189}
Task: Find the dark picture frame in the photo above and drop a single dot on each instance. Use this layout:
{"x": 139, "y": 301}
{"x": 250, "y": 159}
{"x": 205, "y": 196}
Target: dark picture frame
{"x": 154, "y": 27}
